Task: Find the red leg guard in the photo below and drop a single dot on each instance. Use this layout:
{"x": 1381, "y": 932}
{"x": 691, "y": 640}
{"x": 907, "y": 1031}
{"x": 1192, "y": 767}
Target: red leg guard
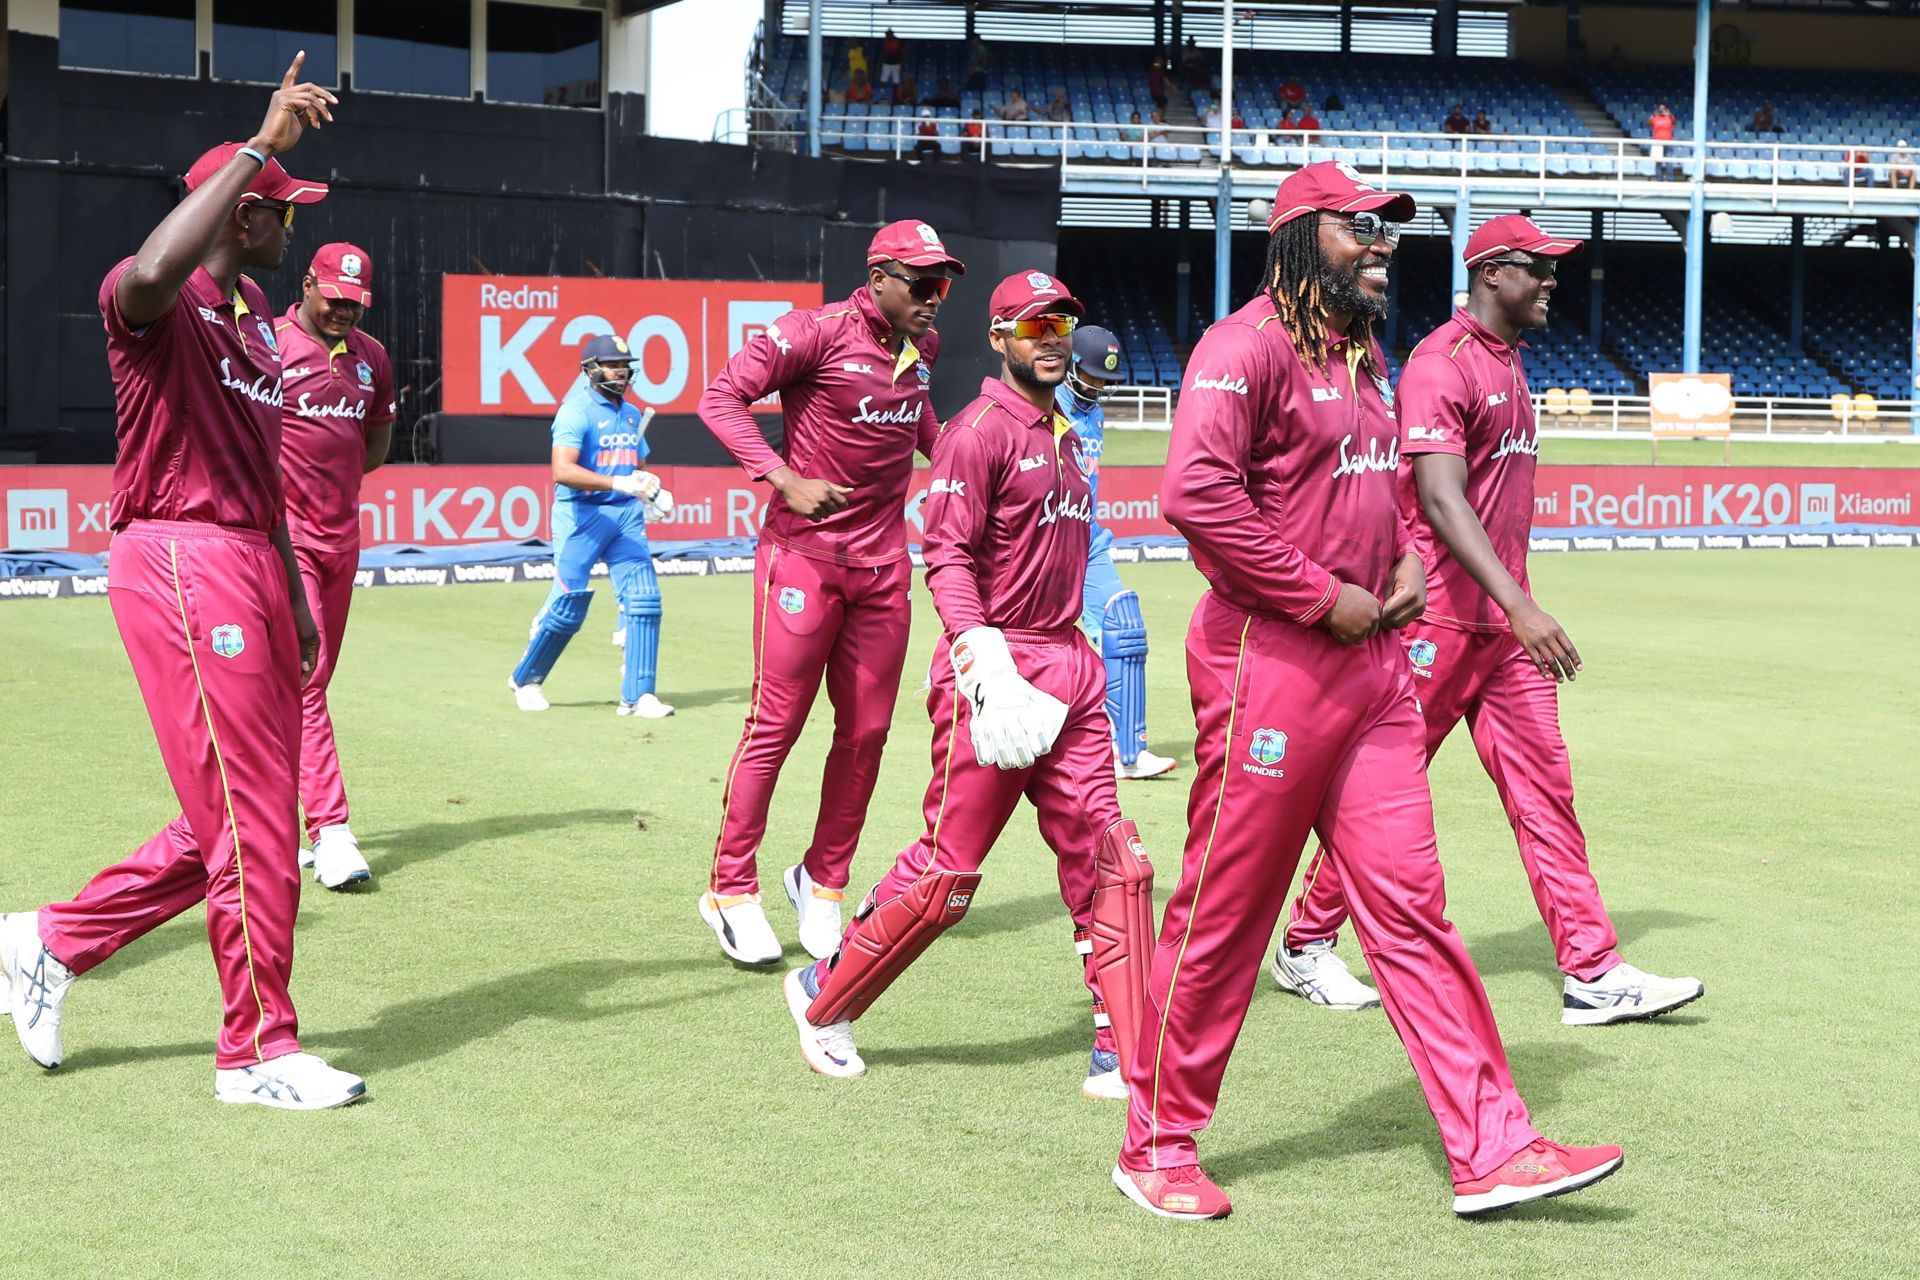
{"x": 886, "y": 938}
{"x": 1123, "y": 931}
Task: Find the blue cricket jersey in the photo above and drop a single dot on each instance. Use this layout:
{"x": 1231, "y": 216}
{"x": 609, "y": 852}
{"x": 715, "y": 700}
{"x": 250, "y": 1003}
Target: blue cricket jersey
{"x": 1090, "y": 424}
{"x": 607, "y": 434}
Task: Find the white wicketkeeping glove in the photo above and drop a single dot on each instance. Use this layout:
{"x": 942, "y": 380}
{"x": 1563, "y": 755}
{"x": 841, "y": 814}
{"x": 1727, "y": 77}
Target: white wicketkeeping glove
{"x": 1012, "y": 722}
{"x": 660, "y": 505}
{"x": 640, "y": 484}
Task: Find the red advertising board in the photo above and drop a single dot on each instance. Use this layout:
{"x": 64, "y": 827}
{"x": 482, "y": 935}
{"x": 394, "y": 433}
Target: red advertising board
{"x": 65, "y": 508}
{"x": 511, "y": 344}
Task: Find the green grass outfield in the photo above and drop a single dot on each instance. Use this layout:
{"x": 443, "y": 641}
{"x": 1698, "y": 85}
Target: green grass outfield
{"x": 567, "y": 1079}
{"x": 1149, "y": 448}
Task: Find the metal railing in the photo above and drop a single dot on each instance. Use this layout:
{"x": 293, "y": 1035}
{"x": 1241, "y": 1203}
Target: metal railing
{"x": 1550, "y": 162}
{"x": 1139, "y": 408}
{"x": 1752, "y": 416}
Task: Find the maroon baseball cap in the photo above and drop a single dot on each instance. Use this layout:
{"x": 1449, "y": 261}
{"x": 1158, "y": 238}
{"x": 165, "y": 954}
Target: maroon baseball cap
{"x": 342, "y": 270}
{"x": 271, "y": 183}
{"x": 1512, "y": 231}
{"x": 1026, "y": 294}
{"x": 913, "y": 244}
{"x": 1337, "y": 187}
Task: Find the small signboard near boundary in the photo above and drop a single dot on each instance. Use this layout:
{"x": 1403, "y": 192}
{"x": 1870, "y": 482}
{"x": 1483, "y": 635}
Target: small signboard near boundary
{"x": 1691, "y": 406}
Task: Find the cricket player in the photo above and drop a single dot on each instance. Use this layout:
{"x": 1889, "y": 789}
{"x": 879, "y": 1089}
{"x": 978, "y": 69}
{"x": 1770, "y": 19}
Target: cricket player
{"x": 1110, "y": 614}
{"x": 831, "y": 573}
{"x": 336, "y": 418}
{"x": 1008, "y": 518}
{"x": 1281, "y": 475}
{"x": 1485, "y": 651}
{"x": 602, "y": 501}
{"x": 207, "y": 596}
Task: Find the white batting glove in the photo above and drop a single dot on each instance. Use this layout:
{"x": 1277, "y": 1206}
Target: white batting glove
{"x": 640, "y": 484}
{"x": 660, "y": 505}
{"x": 1012, "y": 723}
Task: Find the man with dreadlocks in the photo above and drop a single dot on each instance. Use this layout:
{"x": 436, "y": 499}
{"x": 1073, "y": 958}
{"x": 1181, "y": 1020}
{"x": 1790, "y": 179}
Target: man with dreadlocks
{"x": 1281, "y": 475}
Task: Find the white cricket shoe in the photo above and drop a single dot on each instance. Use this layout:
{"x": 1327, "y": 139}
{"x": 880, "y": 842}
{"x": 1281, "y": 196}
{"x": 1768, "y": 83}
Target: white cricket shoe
{"x": 528, "y": 697}
{"x": 1624, "y": 994}
{"x": 1145, "y": 765}
{"x": 337, "y": 860}
{"x": 647, "y": 707}
{"x": 818, "y": 909}
{"x": 291, "y": 1082}
{"x": 37, "y": 985}
{"x": 1318, "y": 976}
{"x": 830, "y": 1049}
{"x": 741, "y": 926}
{"x": 306, "y": 857}
{"x": 1104, "y": 1081}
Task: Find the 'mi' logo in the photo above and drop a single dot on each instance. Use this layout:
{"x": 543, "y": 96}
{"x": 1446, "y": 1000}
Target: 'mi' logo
{"x": 1269, "y": 746}
{"x": 228, "y": 640}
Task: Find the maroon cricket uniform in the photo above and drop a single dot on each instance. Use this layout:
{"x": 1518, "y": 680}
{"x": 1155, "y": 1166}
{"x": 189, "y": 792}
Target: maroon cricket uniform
{"x": 830, "y": 595}
{"x": 1009, "y": 516}
{"x": 332, "y": 397}
{"x": 200, "y": 598}
{"x": 1464, "y": 392}
{"x": 1282, "y": 479}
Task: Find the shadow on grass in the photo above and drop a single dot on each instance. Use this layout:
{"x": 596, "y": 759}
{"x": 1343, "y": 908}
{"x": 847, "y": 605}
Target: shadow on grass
{"x": 393, "y": 851}
{"x": 420, "y": 1030}
{"x": 1075, "y": 1036}
{"x": 678, "y": 699}
{"x": 1396, "y": 1116}
{"x": 1529, "y": 949}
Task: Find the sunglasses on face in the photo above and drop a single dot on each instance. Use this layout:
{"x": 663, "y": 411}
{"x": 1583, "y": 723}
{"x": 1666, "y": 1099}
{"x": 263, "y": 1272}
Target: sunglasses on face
{"x": 1032, "y": 330}
{"x": 1371, "y": 228}
{"x": 284, "y": 210}
{"x": 923, "y": 288}
{"x": 1538, "y": 268}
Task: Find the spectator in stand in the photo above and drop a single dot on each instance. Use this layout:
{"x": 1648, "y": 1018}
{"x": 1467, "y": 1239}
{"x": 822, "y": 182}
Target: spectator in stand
{"x": 1015, "y": 108}
{"x": 1133, "y": 134}
{"x": 945, "y": 96}
{"x": 1660, "y": 125}
{"x": 1158, "y": 130}
{"x": 1333, "y": 102}
{"x": 1900, "y": 167}
{"x": 1456, "y": 121}
{"x": 926, "y": 143}
{"x": 1291, "y": 93}
{"x": 1212, "y": 118}
{"x": 1157, "y": 83}
{"x": 1860, "y": 162}
{"x": 1287, "y": 123}
{"x": 979, "y": 59}
{"x": 1060, "y": 111}
{"x": 1308, "y": 124}
{"x": 859, "y": 89}
{"x": 1193, "y": 65}
{"x": 906, "y": 93}
{"x": 1480, "y": 122}
{"x": 1238, "y": 122}
{"x": 893, "y": 58}
{"x": 1763, "y": 121}
{"x": 856, "y": 60}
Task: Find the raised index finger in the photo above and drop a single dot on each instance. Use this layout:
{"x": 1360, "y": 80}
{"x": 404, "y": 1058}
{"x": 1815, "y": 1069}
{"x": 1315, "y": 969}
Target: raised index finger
{"x": 288, "y": 80}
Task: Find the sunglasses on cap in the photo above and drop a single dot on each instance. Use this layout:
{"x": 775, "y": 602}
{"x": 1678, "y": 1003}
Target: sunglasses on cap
{"x": 1371, "y": 228}
{"x": 1038, "y": 327}
{"x": 273, "y": 206}
{"x": 923, "y": 288}
{"x": 1538, "y": 268}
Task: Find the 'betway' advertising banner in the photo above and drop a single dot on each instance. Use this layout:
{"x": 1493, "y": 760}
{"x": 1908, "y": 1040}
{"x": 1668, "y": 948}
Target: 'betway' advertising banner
{"x": 511, "y": 344}
{"x": 65, "y": 508}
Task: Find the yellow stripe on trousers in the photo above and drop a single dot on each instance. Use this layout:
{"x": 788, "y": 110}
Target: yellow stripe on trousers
{"x": 226, "y": 791}
{"x": 1199, "y": 885}
{"x": 753, "y": 717}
